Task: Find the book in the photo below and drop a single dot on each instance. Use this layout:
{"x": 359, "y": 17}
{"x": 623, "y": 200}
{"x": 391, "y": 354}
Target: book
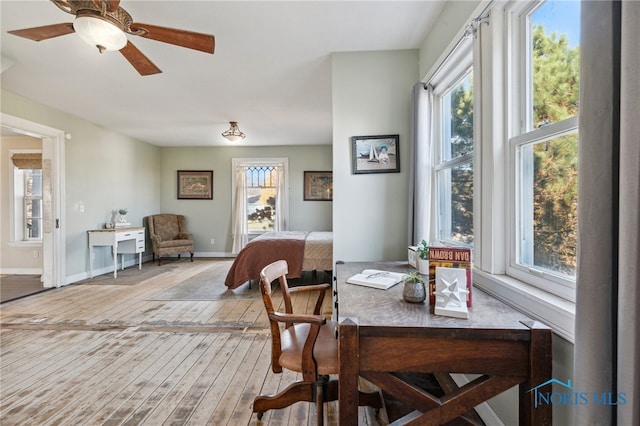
{"x": 450, "y": 257}
{"x": 377, "y": 279}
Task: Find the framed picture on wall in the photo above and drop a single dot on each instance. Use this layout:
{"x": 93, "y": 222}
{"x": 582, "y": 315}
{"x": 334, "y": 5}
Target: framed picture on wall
{"x": 318, "y": 186}
{"x": 375, "y": 154}
{"x": 195, "y": 184}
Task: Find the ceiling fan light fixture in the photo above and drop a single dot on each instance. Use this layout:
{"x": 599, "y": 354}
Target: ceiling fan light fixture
{"x": 99, "y": 33}
{"x": 233, "y": 134}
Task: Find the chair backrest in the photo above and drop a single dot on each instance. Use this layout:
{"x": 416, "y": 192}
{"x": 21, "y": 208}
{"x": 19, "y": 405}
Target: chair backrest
{"x": 277, "y": 270}
{"x": 167, "y": 226}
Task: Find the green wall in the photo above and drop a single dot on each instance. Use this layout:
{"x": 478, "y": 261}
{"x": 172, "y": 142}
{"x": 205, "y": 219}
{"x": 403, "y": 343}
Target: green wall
{"x": 211, "y": 219}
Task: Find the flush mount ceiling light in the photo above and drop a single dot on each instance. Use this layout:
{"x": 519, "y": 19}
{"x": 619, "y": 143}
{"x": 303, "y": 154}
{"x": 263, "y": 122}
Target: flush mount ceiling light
{"x": 233, "y": 134}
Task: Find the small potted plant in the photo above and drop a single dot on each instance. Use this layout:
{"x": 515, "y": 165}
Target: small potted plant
{"x": 423, "y": 257}
{"x": 414, "y": 290}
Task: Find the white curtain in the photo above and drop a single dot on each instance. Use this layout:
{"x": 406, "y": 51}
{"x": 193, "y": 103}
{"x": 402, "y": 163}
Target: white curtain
{"x": 240, "y": 231}
{"x": 420, "y": 166}
{"x": 281, "y": 203}
{"x": 607, "y": 338}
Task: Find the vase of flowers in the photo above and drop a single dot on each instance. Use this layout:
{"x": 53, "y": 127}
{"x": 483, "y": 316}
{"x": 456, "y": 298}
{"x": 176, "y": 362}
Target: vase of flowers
{"x": 422, "y": 250}
{"x": 414, "y": 290}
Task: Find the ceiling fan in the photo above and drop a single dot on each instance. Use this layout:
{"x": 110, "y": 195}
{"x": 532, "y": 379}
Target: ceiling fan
{"x": 103, "y": 24}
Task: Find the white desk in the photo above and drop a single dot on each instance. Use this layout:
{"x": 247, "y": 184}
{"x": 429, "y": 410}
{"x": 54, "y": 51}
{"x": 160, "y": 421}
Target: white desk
{"x": 123, "y": 240}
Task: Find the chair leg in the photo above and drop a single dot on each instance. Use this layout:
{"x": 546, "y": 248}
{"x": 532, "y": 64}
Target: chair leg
{"x": 192, "y": 256}
{"x": 300, "y": 391}
{"x": 320, "y": 387}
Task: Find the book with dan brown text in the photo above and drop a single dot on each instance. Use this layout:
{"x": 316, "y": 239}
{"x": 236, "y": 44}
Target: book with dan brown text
{"x": 449, "y": 257}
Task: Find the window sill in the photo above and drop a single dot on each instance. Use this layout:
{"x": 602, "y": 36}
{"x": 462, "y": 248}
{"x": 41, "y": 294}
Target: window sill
{"x": 557, "y": 313}
{"x": 24, "y": 243}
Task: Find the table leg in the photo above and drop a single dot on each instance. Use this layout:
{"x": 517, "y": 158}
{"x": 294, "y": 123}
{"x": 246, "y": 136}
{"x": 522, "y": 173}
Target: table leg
{"x": 349, "y": 370}
{"x": 140, "y": 261}
{"x": 115, "y": 260}
{"x": 90, "y": 261}
{"x": 539, "y": 373}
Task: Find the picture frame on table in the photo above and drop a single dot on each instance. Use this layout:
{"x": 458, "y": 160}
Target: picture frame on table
{"x": 375, "y": 154}
{"x": 195, "y": 184}
{"x": 318, "y": 186}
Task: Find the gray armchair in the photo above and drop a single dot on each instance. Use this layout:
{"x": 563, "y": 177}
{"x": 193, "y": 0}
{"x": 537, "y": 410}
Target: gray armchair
{"x": 168, "y": 236}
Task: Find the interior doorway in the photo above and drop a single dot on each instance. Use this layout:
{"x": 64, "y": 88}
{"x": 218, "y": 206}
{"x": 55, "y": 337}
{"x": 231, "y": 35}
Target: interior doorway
{"x": 53, "y": 195}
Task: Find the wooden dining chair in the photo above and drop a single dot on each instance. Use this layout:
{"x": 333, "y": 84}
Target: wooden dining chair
{"x": 307, "y": 345}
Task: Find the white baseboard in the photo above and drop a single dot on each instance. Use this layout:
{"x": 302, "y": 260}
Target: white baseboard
{"x": 213, "y": 254}
{"x": 21, "y": 271}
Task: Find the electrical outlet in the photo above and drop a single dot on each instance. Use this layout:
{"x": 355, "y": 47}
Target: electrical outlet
{"x": 36, "y": 254}
{"x": 212, "y": 241}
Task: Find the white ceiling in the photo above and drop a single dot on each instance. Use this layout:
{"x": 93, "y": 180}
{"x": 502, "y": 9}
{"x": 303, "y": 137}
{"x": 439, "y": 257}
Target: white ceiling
{"x": 271, "y": 70}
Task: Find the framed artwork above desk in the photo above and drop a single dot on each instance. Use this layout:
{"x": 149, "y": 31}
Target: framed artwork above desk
{"x": 381, "y": 335}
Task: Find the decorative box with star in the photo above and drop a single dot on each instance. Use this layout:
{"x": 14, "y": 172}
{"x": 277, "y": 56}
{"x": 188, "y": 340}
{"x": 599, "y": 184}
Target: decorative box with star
{"x": 451, "y": 292}
{"x": 449, "y": 257}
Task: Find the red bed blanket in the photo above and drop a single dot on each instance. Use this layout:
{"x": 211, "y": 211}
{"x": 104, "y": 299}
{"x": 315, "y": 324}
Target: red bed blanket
{"x": 265, "y": 249}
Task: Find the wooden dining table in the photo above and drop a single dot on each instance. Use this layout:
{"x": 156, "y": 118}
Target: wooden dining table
{"x": 384, "y": 339}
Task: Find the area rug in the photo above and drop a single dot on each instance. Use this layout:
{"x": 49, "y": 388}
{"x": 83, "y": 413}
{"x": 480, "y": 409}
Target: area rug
{"x": 132, "y": 275}
{"x": 209, "y": 285}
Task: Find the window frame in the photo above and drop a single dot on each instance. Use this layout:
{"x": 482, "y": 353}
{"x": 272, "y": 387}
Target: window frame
{"x": 278, "y": 162}
{"x": 453, "y": 71}
{"x": 521, "y": 134}
{"x": 17, "y": 208}
{"x": 26, "y": 199}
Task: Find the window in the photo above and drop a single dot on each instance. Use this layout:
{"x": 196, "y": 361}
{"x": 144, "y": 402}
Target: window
{"x": 260, "y": 198}
{"x": 504, "y": 139}
{"x": 544, "y": 149}
{"x": 32, "y": 204}
{"x": 454, "y": 142}
{"x": 262, "y": 189}
{"x": 27, "y": 197}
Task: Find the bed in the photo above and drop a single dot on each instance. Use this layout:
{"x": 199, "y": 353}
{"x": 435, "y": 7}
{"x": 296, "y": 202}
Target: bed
{"x": 303, "y": 251}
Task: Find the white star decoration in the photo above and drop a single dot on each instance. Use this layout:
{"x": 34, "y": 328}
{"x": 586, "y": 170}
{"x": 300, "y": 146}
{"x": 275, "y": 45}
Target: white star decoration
{"x": 451, "y": 292}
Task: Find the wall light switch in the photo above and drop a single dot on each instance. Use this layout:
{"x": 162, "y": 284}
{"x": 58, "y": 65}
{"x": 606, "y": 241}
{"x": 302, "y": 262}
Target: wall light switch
{"x": 212, "y": 241}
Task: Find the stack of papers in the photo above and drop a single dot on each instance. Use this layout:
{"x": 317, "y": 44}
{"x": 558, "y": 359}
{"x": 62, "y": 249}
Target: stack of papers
{"x": 376, "y": 279}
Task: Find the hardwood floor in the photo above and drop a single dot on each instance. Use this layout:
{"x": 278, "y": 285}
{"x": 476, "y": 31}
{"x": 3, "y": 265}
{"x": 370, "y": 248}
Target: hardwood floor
{"x": 17, "y": 286}
{"x": 113, "y": 354}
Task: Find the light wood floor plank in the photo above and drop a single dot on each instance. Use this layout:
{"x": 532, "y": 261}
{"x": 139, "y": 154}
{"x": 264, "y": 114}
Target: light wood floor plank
{"x": 80, "y": 410}
{"x": 109, "y": 353}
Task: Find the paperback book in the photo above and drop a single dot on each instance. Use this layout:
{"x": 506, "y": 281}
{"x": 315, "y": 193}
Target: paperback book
{"x": 376, "y": 279}
{"x": 449, "y": 257}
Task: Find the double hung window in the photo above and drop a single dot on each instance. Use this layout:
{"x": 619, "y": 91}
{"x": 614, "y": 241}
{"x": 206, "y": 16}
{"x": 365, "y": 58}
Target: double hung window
{"x": 454, "y": 147}
{"x": 544, "y": 146}
{"x": 26, "y": 200}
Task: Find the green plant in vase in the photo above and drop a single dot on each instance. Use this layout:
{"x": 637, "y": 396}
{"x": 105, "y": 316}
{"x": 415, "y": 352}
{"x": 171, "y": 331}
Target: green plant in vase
{"x": 414, "y": 290}
{"x": 422, "y": 250}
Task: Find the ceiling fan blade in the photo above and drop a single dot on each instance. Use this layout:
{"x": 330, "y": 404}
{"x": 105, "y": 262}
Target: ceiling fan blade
{"x": 140, "y": 62}
{"x": 197, "y": 41}
{"x": 45, "y": 32}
